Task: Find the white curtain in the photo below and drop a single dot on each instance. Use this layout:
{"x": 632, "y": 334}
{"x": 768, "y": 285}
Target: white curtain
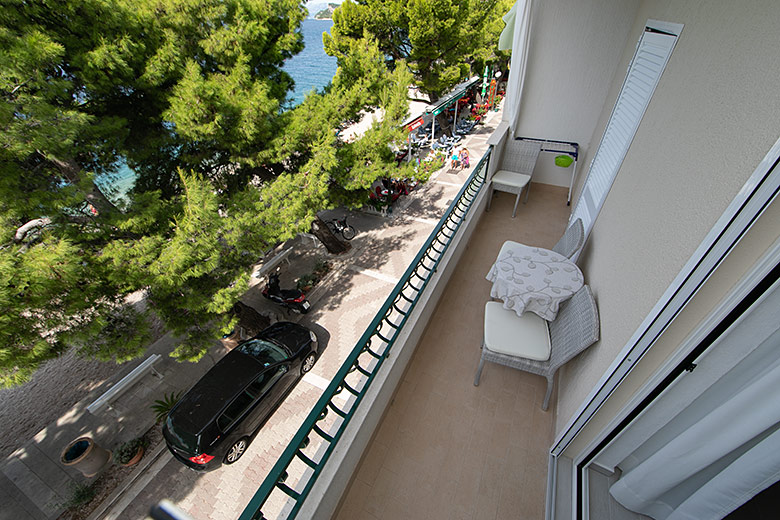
{"x": 715, "y": 458}
{"x": 518, "y": 28}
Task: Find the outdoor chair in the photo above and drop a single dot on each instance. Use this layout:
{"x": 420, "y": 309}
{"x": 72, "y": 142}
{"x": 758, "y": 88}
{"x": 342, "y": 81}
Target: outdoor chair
{"x": 515, "y": 170}
{"x": 572, "y": 240}
{"x": 534, "y": 345}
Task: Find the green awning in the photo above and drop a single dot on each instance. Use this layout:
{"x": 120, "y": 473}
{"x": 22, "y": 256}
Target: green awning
{"x": 454, "y": 95}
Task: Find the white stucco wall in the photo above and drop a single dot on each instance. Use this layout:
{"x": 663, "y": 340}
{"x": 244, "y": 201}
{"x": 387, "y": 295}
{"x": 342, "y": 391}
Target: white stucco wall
{"x": 754, "y": 244}
{"x": 575, "y": 49}
{"x": 711, "y": 120}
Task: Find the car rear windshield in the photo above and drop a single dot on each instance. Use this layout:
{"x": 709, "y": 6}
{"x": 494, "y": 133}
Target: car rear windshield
{"x": 265, "y": 352}
{"x": 181, "y": 437}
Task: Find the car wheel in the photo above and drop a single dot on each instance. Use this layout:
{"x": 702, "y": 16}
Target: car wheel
{"x": 236, "y": 450}
{"x": 308, "y": 362}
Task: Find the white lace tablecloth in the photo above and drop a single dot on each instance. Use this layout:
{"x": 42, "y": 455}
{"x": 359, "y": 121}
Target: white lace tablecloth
{"x": 533, "y": 279}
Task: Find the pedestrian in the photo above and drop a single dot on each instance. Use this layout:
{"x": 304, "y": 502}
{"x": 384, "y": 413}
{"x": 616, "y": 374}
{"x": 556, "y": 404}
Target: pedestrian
{"x": 455, "y": 159}
{"x": 464, "y": 158}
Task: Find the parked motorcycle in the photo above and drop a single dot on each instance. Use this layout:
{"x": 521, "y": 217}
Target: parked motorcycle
{"x": 290, "y": 298}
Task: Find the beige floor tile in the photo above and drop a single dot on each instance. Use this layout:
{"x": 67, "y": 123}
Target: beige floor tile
{"x": 372, "y": 463}
{"x": 356, "y": 498}
{"x": 447, "y": 449}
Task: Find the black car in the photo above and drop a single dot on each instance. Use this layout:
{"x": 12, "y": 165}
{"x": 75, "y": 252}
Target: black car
{"x": 214, "y": 422}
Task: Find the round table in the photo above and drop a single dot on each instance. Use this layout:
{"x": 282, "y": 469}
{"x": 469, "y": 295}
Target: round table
{"x": 533, "y": 279}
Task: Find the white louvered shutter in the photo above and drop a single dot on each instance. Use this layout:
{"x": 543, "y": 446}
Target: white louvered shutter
{"x": 653, "y": 51}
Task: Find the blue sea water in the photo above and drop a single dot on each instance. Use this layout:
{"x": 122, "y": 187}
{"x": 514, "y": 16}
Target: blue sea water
{"x": 311, "y": 69}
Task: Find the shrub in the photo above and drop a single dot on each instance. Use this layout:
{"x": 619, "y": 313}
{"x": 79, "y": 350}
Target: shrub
{"x": 161, "y": 407}
{"x": 128, "y": 450}
{"x": 480, "y": 110}
{"x": 81, "y": 494}
{"x": 307, "y": 280}
{"x": 427, "y": 167}
{"x": 321, "y": 268}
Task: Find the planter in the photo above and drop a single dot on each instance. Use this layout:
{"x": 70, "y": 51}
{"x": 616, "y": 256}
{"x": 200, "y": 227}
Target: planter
{"x": 86, "y": 456}
{"x": 136, "y": 459}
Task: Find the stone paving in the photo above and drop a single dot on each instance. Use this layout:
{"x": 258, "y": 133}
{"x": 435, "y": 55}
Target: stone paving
{"x": 381, "y": 253}
{"x": 343, "y": 304}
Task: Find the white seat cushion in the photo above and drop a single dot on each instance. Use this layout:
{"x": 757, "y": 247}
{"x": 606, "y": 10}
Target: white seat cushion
{"x": 513, "y": 179}
{"x": 523, "y": 336}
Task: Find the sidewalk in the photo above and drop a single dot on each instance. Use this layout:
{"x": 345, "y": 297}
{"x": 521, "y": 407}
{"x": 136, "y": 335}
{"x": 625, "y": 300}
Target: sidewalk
{"x": 34, "y": 484}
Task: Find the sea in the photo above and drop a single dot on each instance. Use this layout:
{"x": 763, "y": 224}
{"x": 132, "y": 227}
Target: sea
{"x": 311, "y": 69}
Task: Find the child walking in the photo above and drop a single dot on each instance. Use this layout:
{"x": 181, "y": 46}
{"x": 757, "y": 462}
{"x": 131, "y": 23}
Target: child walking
{"x": 464, "y": 158}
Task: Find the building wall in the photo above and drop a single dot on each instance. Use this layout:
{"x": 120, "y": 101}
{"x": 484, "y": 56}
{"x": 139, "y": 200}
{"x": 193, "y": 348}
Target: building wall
{"x": 574, "y": 53}
{"x": 764, "y": 233}
{"x": 711, "y": 120}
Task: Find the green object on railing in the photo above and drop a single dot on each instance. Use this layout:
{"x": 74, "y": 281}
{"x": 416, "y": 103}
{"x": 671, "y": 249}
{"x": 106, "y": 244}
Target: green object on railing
{"x": 431, "y": 252}
{"x": 564, "y": 161}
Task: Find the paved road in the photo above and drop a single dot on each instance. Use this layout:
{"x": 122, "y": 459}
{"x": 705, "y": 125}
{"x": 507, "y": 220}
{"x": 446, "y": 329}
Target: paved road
{"x": 342, "y": 307}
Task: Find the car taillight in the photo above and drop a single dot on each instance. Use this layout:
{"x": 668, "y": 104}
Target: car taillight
{"x": 300, "y": 298}
{"x": 203, "y": 458}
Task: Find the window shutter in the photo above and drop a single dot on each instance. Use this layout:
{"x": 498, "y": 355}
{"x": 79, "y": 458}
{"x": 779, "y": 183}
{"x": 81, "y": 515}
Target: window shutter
{"x": 653, "y": 51}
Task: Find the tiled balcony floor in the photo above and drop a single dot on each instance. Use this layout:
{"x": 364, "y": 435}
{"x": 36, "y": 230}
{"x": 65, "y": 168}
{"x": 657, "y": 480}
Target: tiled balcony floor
{"x": 445, "y": 448}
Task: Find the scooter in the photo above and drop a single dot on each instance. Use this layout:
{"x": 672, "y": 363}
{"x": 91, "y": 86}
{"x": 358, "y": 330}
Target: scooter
{"x": 290, "y": 298}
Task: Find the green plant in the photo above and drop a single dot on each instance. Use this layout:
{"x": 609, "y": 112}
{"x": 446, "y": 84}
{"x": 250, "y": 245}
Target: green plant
{"x": 80, "y": 495}
{"x": 427, "y": 167}
{"x": 321, "y": 268}
{"x": 128, "y": 450}
{"x": 161, "y": 407}
{"x": 306, "y": 280}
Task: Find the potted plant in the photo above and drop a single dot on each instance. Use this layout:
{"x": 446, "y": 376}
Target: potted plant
{"x": 130, "y": 452}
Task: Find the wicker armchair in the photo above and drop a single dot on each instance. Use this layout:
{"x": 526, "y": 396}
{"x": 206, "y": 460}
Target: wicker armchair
{"x": 572, "y": 240}
{"x": 534, "y": 345}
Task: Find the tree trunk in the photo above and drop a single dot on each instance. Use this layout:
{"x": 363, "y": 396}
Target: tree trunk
{"x": 442, "y": 125}
{"x": 329, "y": 240}
{"x": 21, "y": 232}
{"x": 252, "y": 321}
{"x": 71, "y": 171}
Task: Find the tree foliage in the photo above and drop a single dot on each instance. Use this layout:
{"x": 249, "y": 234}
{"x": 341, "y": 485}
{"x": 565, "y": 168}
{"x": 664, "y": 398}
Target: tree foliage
{"x": 189, "y": 93}
{"x": 438, "y": 40}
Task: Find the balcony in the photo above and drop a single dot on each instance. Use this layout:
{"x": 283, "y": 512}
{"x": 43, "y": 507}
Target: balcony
{"x": 445, "y": 448}
{"x": 401, "y": 431}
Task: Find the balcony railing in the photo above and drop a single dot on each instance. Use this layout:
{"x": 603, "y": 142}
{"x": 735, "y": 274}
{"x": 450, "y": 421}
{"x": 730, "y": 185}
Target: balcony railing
{"x": 292, "y": 477}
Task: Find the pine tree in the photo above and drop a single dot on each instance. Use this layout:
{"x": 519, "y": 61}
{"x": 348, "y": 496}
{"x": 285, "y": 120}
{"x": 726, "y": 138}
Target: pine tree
{"x": 189, "y": 93}
{"x": 161, "y": 84}
{"x": 438, "y": 40}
